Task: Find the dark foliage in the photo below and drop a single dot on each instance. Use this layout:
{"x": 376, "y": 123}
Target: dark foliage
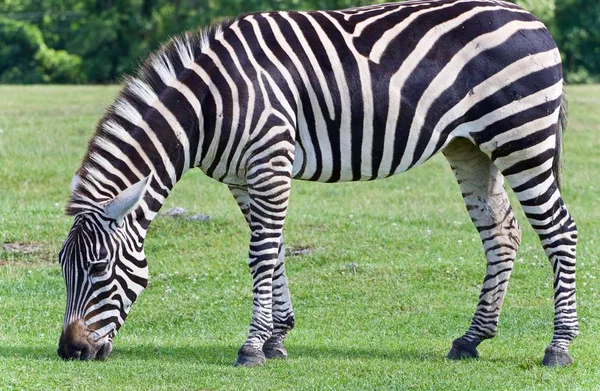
{"x": 96, "y": 41}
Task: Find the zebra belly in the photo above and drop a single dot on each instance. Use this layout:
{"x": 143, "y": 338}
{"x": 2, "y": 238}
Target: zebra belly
{"x": 321, "y": 163}
{"x": 305, "y": 163}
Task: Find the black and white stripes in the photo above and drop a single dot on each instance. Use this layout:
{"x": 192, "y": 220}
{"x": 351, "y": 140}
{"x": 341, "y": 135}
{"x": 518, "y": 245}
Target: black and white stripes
{"x": 331, "y": 96}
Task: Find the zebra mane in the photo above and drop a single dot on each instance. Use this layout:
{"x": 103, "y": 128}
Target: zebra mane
{"x": 138, "y": 93}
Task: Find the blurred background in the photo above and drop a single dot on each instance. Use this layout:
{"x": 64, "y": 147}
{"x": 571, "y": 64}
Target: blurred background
{"x": 96, "y": 41}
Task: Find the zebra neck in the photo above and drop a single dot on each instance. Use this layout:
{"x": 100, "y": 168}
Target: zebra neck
{"x": 166, "y": 120}
{"x": 130, "y": 145}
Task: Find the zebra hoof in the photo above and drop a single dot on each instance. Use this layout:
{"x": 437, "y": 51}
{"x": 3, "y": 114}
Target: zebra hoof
{"x": 555, "y": 357}
{"x": 462, "y": 350}
{"x": 274, "y": 348}
{"x": 250, "y": 357}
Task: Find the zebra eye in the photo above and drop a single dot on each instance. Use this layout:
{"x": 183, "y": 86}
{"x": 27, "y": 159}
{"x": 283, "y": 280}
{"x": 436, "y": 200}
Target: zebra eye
{"x": 97, "y": 267}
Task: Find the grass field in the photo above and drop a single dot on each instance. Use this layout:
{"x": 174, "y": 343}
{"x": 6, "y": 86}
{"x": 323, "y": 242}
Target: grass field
{"x": 392, "y": 278}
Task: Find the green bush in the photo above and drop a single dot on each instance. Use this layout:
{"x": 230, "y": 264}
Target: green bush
{"x": 578, "y": 36}
{"x": 97, "y": 41}
{"x": 25, "y": 58}
{"x": 59, "y": 66}
{"x": 19, "y": 45}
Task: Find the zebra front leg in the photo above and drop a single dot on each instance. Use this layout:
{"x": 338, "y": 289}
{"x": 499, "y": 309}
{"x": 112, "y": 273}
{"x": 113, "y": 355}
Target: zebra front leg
{"x": 486, "y": 200}
{"x": 268, "y": 193}
{"x": 283, "y": 313}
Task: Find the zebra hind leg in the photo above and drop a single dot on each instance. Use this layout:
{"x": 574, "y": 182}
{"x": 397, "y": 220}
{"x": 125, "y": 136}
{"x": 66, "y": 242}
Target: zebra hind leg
{"x": 536, "y": 188}
{"x": 482, "y": 187}
{"x": 283, "y": 313}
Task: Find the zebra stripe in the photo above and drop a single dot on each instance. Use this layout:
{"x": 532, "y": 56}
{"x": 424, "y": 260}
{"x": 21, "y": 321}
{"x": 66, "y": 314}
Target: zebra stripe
{"x": 329, "y": 96}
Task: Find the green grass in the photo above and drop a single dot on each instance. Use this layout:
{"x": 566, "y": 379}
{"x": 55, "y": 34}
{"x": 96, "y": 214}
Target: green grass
{"x": 386, "y": 324}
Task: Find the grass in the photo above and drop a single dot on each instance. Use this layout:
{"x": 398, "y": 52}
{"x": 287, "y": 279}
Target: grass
{"x": 393, "y": 276}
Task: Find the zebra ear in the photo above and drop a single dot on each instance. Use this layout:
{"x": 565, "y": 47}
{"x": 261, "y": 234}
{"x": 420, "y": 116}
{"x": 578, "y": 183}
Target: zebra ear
{"x": 75, "y": 182}
{"x": 127, "y": 201}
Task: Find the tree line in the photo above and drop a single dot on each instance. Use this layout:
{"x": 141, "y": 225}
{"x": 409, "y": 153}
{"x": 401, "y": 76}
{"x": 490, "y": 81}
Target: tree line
{"x": 96, "y": 41}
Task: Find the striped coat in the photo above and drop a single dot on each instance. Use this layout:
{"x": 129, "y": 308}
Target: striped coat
{"x": 330, "y": 96}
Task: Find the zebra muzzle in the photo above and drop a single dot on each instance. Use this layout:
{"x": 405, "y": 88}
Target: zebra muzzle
{"x": 76, "y": 343}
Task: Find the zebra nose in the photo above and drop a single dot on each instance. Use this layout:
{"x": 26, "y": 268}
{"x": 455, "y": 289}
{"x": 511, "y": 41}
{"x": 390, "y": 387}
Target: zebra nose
{"x": 73, "y": 343}
{"x": 74, "y": 350}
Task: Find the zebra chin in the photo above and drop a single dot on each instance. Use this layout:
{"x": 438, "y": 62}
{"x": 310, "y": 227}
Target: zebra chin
{"x": 77, "y": 342}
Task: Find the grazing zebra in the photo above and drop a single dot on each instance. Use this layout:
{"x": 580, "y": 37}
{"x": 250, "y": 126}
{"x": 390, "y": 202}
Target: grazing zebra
{"x": 326, "y": 96}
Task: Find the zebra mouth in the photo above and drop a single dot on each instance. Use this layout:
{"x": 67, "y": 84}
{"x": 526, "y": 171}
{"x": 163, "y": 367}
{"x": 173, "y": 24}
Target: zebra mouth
{"x": 76, "y": 344}
{"x": 104, "y": 351}
{"x": 85, "y": 352}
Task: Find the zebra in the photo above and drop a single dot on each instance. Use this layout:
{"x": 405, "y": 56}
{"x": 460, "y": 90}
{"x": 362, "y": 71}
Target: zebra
{"x": 327, "y": 96}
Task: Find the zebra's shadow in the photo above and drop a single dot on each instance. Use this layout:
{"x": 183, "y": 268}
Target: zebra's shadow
{"x": 222, "y": 355}
{"x": 226, "y": 354}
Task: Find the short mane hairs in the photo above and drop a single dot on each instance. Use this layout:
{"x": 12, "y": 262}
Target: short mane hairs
{"x": 139, "y": 92}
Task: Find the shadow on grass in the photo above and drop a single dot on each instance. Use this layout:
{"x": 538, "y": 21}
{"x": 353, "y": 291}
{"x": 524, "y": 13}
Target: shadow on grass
{"x": 225, "y": 354}
{"x": 209, "y": 354}
{"x": 27, "y": 352}
{"x": 300, "y": 351}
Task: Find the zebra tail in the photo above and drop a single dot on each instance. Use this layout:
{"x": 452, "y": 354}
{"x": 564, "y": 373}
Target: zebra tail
{"x": 558, "y": 151}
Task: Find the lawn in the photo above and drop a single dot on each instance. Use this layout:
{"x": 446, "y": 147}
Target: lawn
{"x": 391, "y": 277}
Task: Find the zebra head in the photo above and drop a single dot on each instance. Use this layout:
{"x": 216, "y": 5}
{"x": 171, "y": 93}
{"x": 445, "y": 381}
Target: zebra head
{"x": 105, "y": 270}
